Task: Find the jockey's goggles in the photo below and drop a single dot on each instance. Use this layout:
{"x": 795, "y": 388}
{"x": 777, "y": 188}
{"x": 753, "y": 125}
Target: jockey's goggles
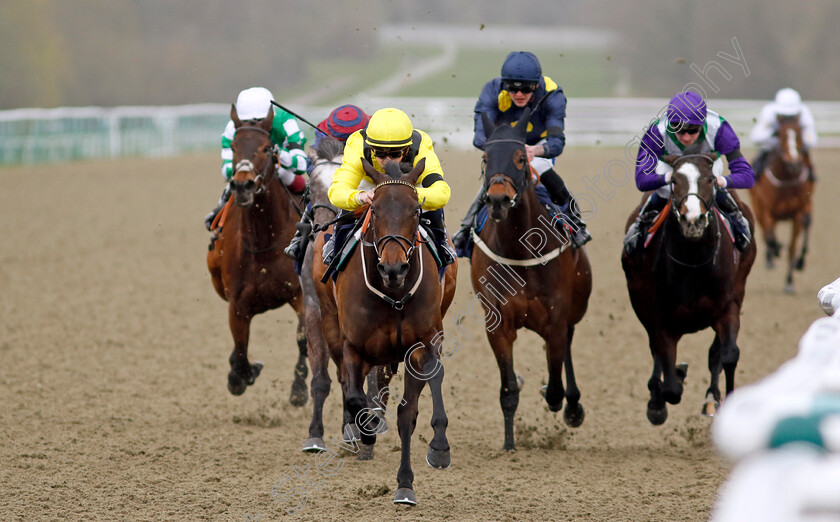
{"x": 518, "y": 86}
{"x": 388, "y": 153}
{"x": 688, "y": 129}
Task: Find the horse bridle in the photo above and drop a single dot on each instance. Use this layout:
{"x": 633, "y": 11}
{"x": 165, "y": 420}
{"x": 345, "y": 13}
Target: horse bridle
{"x": 379, "y": 243}
{"x": 504, "y": 179}
{"x": 677, "y": 203}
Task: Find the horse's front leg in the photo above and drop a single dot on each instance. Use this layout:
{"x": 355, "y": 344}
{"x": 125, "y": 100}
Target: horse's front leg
{"x": 806, "y": 228}
{"x": 242, "y": 373}
{"x": 299, "y": 392}
{"x": 573, "y": 414}
{"x": 501, "y": 340}
{"x": 378, "y": 392}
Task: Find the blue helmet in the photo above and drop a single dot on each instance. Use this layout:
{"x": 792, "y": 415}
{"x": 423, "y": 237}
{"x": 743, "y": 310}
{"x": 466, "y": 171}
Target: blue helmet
{"x": 521, "y": 66}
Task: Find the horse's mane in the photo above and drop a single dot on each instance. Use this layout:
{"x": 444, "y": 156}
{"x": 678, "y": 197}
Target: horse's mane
{"x": 329, "y": 147}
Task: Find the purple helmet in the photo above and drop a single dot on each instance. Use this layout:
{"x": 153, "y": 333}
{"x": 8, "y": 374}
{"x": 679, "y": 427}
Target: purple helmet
{"x": 687, "y": 107}
{"x": 521, "y": 66}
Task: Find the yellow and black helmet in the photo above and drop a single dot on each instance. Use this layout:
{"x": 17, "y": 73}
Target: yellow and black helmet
{"x": 389, "y": 129}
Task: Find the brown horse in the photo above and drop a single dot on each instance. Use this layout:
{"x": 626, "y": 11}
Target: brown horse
{"x": 247, "y": 264}
{"x": 547, "y": 294}
{"x": 321, "y": 318}
{"x": 688, "y": 278}
{"x": 783, "y": 193}
{"x": 389, "y": 303}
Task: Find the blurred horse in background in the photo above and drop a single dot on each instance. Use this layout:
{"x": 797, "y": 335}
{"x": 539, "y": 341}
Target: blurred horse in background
{"x": 783, "y": 193}
{"x": 247, "y": 265}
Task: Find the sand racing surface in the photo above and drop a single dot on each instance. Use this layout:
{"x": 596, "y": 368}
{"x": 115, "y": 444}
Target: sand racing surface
{"x": 114, "y": 351}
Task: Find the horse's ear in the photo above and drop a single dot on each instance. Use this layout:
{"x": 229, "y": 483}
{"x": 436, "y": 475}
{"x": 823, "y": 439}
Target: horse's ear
{"x": 375, "y": 175}
{"x": 268, "y": 121}
{"x": 671, "y": 159}
{"x": 489, "y": 126}
{"x": 418, "y": 169}
{"x": 522, "y": 124}
{"x": 234, "y": 116}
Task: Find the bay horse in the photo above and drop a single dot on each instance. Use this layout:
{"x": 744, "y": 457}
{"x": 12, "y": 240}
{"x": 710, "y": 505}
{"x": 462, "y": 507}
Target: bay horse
{"x": 689, "y": 277}
{"x": 390, "y": 304}
{"x": 323, "y": 334}
{"x": 783, "y": 193}
{"x": 247, "y": 265}
{"x": 547, "y": 294}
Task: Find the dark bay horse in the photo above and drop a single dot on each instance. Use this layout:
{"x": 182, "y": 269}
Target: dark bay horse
{"x": 783, "y": 193}
{"x": 247, "y": 264}
{"x": 390, "y": 303}
{"x": 323, "y": 334}
{"x": 547, "y": 294}
{"x": 688, "y": 278}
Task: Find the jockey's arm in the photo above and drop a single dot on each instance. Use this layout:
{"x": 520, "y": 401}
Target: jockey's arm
{"x": 651, "y": 172}
{"x": 555, "y": 138}
{"x": 809, "y": 128}
{"x": 487, "y": 102}
{"x": 344, "y": 191}
{"x": 227, "y": 152}
{"x": 741, "y": 174}
{"x": 432, "y": 191}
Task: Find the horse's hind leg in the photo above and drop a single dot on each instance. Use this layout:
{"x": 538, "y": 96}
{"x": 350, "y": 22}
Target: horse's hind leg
{"x": 573, "y": 414}
{"x": 438, "y": 454}
{"x": 657, "y": 410}
{"x": 299, "y": 392}
{"x": 242, "y": 373}
{"x": 727, "y": 331}
{"x": 796, "y": 230}
{"x": 378, "y": 392}
{"x": 712, "y": 402}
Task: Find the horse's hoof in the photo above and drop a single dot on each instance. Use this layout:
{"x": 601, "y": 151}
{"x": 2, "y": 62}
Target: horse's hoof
{"x": 314, "y": 445}
{"x": 788, "y": 289}
{"x": 769, "y": 264}
{"x": 256, "y": 368}
{"x": 405, "y": 496}
{"x": 381, "y": 421}
{"x": 236, "y": 385}
{"x": 657, "y": 417}
{"x": 299, "y": 394}
{"x": 366, "y": 452}
{"x": 710, "y": 407}
{"x": 351, "y": 433}
{"x": 800, "y": 264}
{"x": 438, "y": 459}
{"x": 509, "y": 447}
{"x": 573, "y": 415}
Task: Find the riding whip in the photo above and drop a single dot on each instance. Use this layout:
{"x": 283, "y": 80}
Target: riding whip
{"x": 298, "y": 116}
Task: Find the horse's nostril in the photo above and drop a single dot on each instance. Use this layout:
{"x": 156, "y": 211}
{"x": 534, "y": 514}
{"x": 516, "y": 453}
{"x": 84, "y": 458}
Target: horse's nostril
{"x": 249, "y": 185}
{"x": 403, "y": 270}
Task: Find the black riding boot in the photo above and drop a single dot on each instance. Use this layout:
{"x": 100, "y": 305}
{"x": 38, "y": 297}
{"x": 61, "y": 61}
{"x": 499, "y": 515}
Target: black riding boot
{"x": 461, "y": 238}
{"x": 302, "y": 230}
{"x": 437, "y": 227}
{"x": 740, "y": 225}
{"x": 635, "y": 237}
{"x": 759, "y": 162}
{"x": 560, "y": 195}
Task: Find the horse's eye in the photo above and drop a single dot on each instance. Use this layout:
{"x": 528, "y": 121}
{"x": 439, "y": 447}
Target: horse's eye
{"x": 267, "y": 148}
{"x": 417, "y": 211}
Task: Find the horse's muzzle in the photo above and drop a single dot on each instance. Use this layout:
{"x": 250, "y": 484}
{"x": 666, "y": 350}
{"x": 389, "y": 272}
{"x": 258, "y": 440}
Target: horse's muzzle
{"x": 243, "y": 193}
{"x": 393, "y": 274}
{"x": 498, "y": 206}
{"x": 694, "y": 228}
